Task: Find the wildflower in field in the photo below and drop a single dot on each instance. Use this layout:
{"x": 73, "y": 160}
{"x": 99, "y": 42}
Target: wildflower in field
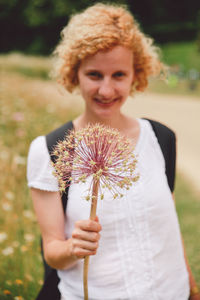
{"x": 18, "y": 117}
{"x": 28, "y": 214}
{"x": 4, "y": 155}
{"x": 7, "y": 292}
{"x": 15, "y": 217}
{"x": 15, "y": 244}
{"x": 40, "y": 282}
{"x": 20, "y": 132}
{"x": 9, "y": 195}
{"x": 7, "y": 206}
{"x": 19, "y": 160}
{"x": 18, "y": 298}
{"x": 29, "y": 237}
{"x": 8, "y": 282}
{"x": 23, "y": 248}
{"x": 7, "y": 251}
{"x": 3, "y": 236}
{"x": 29, "y": 277}
{"x": 18, "y": 281}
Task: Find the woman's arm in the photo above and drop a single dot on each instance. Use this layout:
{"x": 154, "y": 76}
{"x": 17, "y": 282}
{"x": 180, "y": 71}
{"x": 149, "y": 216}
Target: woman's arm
{"x": 194, "y": 291}
{"x": 59, "y": 252}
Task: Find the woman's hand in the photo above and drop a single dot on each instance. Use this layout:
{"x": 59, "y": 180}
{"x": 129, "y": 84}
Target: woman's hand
{"x": 85, "y": 238}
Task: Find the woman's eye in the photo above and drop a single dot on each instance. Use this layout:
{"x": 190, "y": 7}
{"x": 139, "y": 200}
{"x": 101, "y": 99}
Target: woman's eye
{"x": 94, "y": 75}
{"x": 119, "y": 74}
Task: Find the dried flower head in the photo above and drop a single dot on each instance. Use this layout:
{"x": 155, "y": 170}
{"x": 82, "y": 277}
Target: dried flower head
{"x": 97, "y": 151}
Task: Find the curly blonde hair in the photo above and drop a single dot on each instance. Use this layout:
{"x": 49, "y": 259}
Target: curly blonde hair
{"x": 100, "y": 28}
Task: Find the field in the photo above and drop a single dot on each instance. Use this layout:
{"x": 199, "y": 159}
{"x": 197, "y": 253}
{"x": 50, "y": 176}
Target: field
{"x": 25, "y": 113}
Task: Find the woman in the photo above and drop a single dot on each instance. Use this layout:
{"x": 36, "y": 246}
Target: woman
{"x": 139, "y": 254}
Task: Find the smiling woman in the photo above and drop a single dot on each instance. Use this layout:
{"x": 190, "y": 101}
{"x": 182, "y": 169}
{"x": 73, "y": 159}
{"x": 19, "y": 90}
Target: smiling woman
{"x": 104, "y": 54}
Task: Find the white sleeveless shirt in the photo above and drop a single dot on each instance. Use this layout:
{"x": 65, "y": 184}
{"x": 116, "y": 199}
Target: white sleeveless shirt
{"x": 140, "y": 253}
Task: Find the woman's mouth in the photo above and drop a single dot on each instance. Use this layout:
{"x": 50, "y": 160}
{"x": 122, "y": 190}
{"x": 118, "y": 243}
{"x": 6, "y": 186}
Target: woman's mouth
{"x": 105, "y": 102}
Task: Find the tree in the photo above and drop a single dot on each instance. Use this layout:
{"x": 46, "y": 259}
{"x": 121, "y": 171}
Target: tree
{"x": 34, "y": 26}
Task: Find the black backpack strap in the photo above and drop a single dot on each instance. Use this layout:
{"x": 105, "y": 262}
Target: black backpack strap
{"x": 49, "y": 289}
{"x": 51, "y": 139}
{"x": 167, "y": 141}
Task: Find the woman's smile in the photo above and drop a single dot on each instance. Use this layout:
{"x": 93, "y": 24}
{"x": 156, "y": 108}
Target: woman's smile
{"x": 106, "y": 103}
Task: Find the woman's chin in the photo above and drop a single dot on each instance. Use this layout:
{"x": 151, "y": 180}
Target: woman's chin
{"x": 105, "y": 113}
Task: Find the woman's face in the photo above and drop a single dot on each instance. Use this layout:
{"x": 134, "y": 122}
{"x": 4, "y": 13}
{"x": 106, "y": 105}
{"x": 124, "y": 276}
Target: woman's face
{"x": 105, "y": 80}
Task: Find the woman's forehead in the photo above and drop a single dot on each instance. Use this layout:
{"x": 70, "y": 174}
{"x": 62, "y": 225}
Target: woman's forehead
{"x": 117, "y": 57}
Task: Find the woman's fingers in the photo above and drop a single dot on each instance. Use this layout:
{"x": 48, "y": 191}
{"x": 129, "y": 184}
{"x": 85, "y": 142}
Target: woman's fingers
{"x": 81, "y": 248}
{"x": 89, "y": 246}
{"x": 81, "y": 253}
{"x": 91, "y": 236}
{"x": 88, "y": 225}
{"x": 85, "y": 237}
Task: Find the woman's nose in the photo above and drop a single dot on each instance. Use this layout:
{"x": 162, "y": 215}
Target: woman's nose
{"x": 106, "y": 89}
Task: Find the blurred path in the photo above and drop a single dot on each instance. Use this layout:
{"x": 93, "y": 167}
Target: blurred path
{"x": 182, "y": 114}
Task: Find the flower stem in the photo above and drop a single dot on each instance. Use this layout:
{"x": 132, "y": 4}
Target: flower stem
{"x": 95, "y": 188}
{"x": 93, "y": 209}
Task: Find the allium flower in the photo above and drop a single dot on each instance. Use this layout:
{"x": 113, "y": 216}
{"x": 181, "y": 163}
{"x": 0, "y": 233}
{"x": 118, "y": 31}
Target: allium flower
{"x": 97, "y": 151}
{"x": 101, "y": 153}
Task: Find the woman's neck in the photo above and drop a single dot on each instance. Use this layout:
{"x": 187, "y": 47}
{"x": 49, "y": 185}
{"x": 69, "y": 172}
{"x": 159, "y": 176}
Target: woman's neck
{"x": 128, "y": 126}
{"x": 117, "y": 122}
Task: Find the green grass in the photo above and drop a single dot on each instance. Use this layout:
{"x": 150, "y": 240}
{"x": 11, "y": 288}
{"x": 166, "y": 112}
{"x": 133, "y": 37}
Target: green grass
{"x": 175, "y": 87}
{"x": 184, "y": 54}
{"x": 181, "y": 58}
{"x": 30, "y": 72}
{"x": 188, "y": 208}
{"x": 30, "y": 66}
{"x": 23, "y": 116}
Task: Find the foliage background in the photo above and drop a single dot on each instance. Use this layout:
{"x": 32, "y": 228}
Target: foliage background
{"x": 34, "y": 26}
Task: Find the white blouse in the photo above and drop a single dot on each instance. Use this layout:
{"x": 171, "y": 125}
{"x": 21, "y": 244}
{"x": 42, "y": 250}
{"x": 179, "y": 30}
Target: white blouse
{"x": 140, "y": 255}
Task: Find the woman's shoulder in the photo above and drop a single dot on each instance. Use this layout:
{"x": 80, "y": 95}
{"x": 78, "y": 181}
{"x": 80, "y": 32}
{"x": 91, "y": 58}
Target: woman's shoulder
{"x": 39, "y": 169}
{"x": 38, "y": 145}
{"x": 158, "y": 126}
{"x": 38, "y": 153}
